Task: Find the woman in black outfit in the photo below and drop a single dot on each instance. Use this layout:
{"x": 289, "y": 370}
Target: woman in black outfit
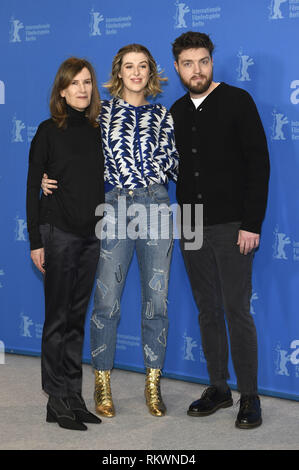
{"x": 62, "y": 233}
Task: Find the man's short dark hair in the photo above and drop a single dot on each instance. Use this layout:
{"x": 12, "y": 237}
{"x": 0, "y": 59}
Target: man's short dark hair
{"x": 191, "y": 40}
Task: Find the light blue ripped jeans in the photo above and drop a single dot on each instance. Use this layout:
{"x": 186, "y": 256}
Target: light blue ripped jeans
{"x": 153, "y": 245}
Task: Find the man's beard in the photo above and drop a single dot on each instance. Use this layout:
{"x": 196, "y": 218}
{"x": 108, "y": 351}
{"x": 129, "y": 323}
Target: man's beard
{"x": 201, "y": 88}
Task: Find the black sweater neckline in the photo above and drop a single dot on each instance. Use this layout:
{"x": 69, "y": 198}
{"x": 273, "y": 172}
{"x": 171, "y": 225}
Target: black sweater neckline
{"x": 75, "y": 115}
{"x": 207, "y": 98}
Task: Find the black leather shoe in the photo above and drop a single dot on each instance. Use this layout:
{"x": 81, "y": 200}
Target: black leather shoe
{"x": 59, "y": 411}
{"x": 250, "y": 414}
{"x": 78, "y": 406}
{"x": 210, "y": 401}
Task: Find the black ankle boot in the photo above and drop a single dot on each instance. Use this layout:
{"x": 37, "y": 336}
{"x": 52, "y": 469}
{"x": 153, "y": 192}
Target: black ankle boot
{"x": 59, "y": 411}
{"x": 78, "y": 407}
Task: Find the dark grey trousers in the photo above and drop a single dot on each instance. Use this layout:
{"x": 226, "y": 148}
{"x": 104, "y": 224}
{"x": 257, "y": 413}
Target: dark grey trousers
{"x": 70, "y": 265}
{"x": 220, "y": 278}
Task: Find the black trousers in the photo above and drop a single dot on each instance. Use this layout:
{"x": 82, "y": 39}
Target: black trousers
{"x": 220, "y": 278}
{"x": 70, "y": 265}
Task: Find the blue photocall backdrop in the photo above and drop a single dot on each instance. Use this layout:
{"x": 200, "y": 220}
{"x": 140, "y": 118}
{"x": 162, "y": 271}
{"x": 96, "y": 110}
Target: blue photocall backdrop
{"x": 256, "y": 49}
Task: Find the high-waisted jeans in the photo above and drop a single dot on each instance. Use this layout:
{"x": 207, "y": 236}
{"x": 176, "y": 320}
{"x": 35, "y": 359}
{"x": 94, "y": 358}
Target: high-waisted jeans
{"x": 154, "y": 249}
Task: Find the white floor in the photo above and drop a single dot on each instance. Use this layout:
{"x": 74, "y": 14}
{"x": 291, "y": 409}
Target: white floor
{"x": 23, "y": 425}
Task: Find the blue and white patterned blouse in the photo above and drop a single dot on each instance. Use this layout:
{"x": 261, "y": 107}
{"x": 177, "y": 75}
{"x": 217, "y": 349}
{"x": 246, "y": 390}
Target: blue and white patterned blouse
{"x": 138, "y": 144}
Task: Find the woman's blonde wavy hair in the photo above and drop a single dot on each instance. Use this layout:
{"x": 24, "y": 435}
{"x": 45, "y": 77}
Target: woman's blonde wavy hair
{"x": 115, "y": 84}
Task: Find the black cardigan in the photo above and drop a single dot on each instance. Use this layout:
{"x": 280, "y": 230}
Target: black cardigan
{"x": 224, "y": 161}
{"x": 74, "y": 157}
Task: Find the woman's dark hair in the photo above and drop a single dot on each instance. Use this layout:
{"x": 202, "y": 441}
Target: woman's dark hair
{"x": 66, "y": 72}
{"x": 191, "y": 40}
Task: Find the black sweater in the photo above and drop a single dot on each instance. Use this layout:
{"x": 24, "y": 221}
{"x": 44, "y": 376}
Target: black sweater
{"x": 224, "y": 161}
{"x": 74, "y": 157}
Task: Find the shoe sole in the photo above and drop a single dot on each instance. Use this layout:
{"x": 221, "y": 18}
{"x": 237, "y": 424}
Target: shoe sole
{"x": 104, "y": 415}
{"x": 52, "y": 419}
{"x": 248, "y": 426}
{"x": 86, "y": 418}
{"x": 157, "y": 416}
{"x": 225, "y": 404}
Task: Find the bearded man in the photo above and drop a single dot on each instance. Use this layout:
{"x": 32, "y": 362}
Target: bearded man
{"x": 224, "y": 165}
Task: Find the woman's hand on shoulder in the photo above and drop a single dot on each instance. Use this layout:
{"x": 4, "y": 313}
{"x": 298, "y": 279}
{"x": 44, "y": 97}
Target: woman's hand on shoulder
{"x": 47, "y": 185}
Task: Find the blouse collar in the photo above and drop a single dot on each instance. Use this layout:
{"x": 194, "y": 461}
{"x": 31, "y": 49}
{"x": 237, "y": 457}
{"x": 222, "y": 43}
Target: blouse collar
{"x": 125, "y": 104}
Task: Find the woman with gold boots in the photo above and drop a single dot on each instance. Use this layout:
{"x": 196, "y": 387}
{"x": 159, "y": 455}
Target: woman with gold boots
{"x": 140, "y": 155}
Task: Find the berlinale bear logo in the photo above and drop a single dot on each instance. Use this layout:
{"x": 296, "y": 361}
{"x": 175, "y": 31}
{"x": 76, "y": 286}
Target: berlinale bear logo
{"x": 15, "y": 28}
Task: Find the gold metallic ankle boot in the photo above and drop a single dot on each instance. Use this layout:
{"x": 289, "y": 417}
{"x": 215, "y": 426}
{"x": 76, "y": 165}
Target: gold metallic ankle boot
{"x": 152, "y": 392}
{"x": 102, "y": 394}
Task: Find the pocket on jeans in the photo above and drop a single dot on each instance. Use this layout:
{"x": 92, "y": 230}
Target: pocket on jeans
{"x": 111, "y": 196}
{"x": 160, "y": 195}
